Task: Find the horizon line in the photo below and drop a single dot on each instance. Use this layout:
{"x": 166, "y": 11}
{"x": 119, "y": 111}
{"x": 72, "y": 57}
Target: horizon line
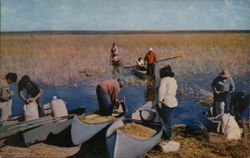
{"x": 124, "y": 31}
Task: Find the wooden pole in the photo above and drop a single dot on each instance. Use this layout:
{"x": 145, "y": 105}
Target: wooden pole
{"x": 127, "y": 67}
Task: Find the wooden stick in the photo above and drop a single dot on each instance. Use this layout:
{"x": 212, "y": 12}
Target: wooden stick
{"x": 126, "y": 67}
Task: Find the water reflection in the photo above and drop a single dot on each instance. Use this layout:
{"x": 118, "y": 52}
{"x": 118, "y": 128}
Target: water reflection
{"x": 150, "y": 91}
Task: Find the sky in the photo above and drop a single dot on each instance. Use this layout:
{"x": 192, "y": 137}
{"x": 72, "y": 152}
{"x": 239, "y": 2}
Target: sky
{"x": 30, "y": 15}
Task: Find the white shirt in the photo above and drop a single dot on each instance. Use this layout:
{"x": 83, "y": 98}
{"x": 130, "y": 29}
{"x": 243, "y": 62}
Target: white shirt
{"x": 140, "y": 62}
{"x": 115, "y": 50}
{"x": 167, "y": 92}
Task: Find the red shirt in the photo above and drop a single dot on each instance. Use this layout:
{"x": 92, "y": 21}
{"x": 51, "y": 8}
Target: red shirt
{"x": 111, "y": 87}
{"x": 150, "y": 58}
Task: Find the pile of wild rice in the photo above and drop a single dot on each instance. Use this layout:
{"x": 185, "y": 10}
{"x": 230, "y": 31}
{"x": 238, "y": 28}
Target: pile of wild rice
{"x": 138, "y": 130}
{"x": 96, "y": 119}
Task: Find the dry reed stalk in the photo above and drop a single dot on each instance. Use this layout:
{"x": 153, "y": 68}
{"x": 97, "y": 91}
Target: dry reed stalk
{"x": 58, "y": 59}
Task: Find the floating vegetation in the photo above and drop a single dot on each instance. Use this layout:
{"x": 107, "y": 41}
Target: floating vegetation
{"x": 207, "y": 99}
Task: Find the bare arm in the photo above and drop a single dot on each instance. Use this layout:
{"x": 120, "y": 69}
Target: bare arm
{"x": 22, "y": 97}
{"x": 36, "y": 97}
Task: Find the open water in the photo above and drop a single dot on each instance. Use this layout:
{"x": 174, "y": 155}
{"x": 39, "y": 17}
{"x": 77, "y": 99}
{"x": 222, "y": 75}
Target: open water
{"x": 136, "y": 95}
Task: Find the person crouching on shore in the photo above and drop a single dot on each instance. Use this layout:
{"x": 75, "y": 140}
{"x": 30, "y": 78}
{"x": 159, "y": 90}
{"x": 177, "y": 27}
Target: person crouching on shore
{"x": 107, "y": 93}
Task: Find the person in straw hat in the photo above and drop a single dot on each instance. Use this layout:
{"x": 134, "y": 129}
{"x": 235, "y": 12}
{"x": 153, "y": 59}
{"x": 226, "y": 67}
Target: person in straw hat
{"x": 222, "y": 86}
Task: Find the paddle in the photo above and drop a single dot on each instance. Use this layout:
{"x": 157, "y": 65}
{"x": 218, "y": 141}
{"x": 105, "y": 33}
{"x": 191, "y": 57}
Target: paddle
{"x": 126, "y": 67}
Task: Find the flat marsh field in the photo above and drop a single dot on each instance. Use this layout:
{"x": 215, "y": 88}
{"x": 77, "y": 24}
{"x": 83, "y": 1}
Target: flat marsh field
{"x": 60, "y": 59}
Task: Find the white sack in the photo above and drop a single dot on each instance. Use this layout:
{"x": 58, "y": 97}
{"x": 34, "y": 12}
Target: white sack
{"x": 170, "y": 146}
{"x": 230, "y": 128}
{"x": 59, "y": 108}
{"x": 31, "y": 111}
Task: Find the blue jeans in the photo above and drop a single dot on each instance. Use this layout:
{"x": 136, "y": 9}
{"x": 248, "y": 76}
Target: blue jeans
{"x": 165, "y": 115}
{"x": 105, "y": 105}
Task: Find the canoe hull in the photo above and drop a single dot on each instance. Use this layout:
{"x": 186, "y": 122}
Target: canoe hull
{"x": 142, "y": 75}
{"x": 81, "y": 132}
{"x": 120, "y": 145}
{"x": 41, "y": 133}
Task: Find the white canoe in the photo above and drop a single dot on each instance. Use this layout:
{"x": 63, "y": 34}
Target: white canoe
{"x": 120, "y": 144}
{"x": 81, "y": 132}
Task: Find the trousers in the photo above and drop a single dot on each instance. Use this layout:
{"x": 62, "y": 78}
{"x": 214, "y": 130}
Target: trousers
{"x": 105, "y": 104}
{"x": 165, "y": 115}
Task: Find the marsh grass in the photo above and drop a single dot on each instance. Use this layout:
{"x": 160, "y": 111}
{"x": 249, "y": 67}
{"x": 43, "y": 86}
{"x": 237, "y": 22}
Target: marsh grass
{"x": 207, "y": 99}
{"x": 59, "y": 59}
{"x": 196, "y": 143}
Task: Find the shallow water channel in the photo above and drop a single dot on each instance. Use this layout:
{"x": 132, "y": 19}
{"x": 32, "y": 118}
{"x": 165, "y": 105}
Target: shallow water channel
{"x": 136, "y": 96}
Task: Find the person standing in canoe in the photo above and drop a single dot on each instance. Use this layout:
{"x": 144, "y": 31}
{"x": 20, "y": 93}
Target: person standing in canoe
{"x": 32, "y": 95}
{"x": 107, "y": 93}
{"x": 113, "y": 52}
{"x": 114, "y": 60}
{"x": 116, "y": 64}
{"x": 221, "y": 86}
{"x": 167, "y": 101}
{"x": 151, "y": 59}
{"x": 5, "y": 96}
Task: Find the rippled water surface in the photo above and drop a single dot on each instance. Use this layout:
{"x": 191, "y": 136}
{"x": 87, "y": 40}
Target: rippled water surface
{"x": 136, "y": 95}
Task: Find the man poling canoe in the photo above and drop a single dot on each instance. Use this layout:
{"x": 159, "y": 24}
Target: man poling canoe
{"x": 132, "y": 66}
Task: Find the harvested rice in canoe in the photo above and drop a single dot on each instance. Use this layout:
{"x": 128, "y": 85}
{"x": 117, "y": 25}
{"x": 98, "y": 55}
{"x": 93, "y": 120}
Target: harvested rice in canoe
{"x": 138, "y": 130}
{"x": 96, "y": 119}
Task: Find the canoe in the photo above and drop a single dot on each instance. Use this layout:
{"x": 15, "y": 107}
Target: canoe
{"x": 55, "y": 127}
{"x": 81, "y": 132}
{"x": 146, "y": 113}
{"x": 38, "y": 129}
{"x": 142, "y": 75}
{"x": 11, "y": 129}
{"x": 42, "y": 132}
{"x": 120, "y": 144}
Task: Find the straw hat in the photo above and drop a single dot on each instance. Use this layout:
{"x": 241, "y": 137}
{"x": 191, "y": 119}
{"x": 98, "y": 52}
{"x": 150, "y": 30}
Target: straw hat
{"x": 225, "y": 74}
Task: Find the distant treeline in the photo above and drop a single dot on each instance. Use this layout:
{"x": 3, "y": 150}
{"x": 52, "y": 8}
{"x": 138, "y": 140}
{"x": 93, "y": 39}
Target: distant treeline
{"x": 122, "y": 31}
